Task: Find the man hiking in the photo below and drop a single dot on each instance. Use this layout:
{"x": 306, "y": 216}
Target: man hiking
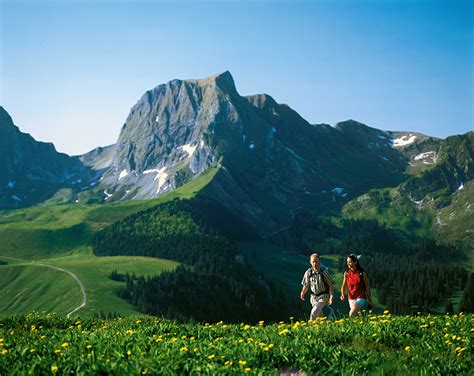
{"x": 319, "y": 281}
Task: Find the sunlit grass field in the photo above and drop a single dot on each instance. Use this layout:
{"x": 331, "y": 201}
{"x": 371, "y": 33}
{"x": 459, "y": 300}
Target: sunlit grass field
{"x": 33, "y": 241}
{"x": 371, "y": 344}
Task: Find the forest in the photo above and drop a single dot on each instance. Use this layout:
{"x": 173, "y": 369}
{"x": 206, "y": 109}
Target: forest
{"x": 216, "y": 283}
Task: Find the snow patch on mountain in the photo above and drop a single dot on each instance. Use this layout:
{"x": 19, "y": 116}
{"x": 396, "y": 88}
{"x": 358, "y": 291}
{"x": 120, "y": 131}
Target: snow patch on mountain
{"x": 189, "y": 149}
{"x": 404, "y": 140}
{"x": 428, "y": 157}
{"x": 123, "y": 174}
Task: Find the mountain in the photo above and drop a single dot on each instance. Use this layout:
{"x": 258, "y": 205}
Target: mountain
{"x": 437, "y": 199}
{"x": 271, "y": 161}
{"x": 32, "y": 171}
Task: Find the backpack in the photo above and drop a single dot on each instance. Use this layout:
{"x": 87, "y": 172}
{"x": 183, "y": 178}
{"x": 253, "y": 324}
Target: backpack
{"x": 321, "y": 270}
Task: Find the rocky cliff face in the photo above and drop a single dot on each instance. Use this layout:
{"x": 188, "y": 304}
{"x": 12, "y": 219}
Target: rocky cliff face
{"x": 31, "y": 171}
{"x": 271, "y": 160}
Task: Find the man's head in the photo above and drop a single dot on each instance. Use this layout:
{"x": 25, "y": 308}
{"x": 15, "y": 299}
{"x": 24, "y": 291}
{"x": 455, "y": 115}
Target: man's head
{"x": 314, "y": 261}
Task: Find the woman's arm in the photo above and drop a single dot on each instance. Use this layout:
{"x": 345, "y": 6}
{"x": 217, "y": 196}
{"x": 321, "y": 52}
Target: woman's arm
{"x": 343, "y": 287}
{"x": 367, "y": 287}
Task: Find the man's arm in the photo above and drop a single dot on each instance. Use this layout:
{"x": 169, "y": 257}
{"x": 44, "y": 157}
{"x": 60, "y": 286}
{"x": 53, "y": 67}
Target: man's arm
{"x": 331, "y": 289}
{"x": 303, "y": 291}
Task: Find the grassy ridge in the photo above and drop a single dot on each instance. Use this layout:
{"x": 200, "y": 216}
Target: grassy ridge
{"x": 382, "y": 344}
{"x": 57, "y": 235}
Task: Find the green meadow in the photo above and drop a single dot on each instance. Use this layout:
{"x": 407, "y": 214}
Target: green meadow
{"x": 368, "y": 344}
{"x": 37, "y": 242}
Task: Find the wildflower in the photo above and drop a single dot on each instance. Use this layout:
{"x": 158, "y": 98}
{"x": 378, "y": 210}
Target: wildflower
{"x": 129, "y": 331}
{"x": 129, "y": 352}
{"x": 4, "y": 351}
{"x": 284, "y": 331}
{"x": 42, "y": 337}
{"x": 261, "y": 322}
{"x": 54, "y": 368}
{"x": 183, "y": 337}
{"x": 65, "y": 344}
{"x": 374, "y": 335}
{"x": 242, "y": 362}
{"x": 228, "y": 363}
{"x": 138, "y": 321}
{"x": 32, "y": 350}
{"x": 386, "y": 312}
{"x": 247, "y": 369}
{"x": 266, "y": 348}
{"x": 212, "y": 356}
{"x": 185, "y": 349}
{"x": 88, "y": 346}
{"x": 408, "y": 348}
{"x": 57, "y": 351}
{"x": 247, "y": 327}
{"x": 250, "y": 339}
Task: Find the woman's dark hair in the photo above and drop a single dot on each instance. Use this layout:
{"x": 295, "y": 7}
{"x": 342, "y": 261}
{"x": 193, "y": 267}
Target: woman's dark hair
{"x": 354, "y": 258}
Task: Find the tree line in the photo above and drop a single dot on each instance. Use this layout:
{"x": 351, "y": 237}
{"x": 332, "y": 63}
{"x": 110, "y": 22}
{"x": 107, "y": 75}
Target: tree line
{"x": 411, "y": 274}
{"x": 215, "y": 283}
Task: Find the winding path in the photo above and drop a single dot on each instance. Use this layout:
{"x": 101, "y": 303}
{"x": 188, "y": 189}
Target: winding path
{"x": 81, "y": 285}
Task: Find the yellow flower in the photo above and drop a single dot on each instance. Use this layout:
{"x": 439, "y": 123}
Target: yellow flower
{"x": 284, "y": 331}
{"x": 129, "y": 352}
{"x": 250, "y": 339}
{"x": 57, "y": 351}
{"x": 242, "y": 362}
{"x": 183, "y": 349}
{"x": 261, "y": 322}
{"x": 266, "y": 348}
{"x": 247, "y": 327}
{"x": 212, "y": 356}
{"x": 4, "y": 351}
{"x": 54, "y": 369}
{"x": 138, "y": 321}
{"x": 247, "y": 369}
{"x": 65, "y": 344}
{"x": 183, "y": 337}
{"x": 32, "y": 350}
{"x": 386, "y": 312}
{"x": 89, "y": 346}
{"x": 228, "y": 363}
{"x": 129, "y": 331}
{"x": 408, "y": 348}
{"x": 374, "y": 335}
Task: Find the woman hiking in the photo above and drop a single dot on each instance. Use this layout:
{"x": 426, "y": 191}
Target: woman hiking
{"x": 357, "y": 283}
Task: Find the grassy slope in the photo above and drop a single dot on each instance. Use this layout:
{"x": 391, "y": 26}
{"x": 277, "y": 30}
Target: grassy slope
{"x": 58, "y": 235}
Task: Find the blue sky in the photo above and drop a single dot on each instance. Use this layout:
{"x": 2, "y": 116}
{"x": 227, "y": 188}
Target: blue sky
{"x": 71, "y": 70}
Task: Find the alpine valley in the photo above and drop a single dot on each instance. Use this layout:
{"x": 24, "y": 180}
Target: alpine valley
{"x": 209, "y": 204}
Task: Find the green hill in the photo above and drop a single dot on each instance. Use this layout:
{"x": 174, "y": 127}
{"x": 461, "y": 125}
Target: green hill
{"x": 33, "y": 241}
